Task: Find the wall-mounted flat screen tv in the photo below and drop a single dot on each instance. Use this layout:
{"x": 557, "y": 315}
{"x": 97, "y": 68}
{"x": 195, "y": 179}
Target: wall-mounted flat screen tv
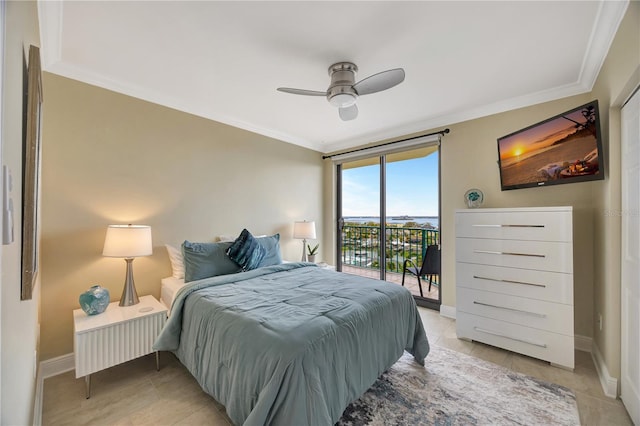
{"x": 566, "y": 148}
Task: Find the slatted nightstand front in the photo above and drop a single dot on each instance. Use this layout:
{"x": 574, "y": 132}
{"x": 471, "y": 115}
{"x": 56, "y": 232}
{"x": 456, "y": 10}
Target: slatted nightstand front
{"x": 118, "y": 335}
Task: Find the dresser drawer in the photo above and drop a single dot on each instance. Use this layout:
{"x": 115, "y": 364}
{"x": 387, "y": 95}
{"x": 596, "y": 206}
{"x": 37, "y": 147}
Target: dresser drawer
{"x": 539, "y": 255}
{"x": 545, "y": 345}
{"x": 537, "y": 314}
{"x": 540, "y": 285}
{"x": 510, "y": 225}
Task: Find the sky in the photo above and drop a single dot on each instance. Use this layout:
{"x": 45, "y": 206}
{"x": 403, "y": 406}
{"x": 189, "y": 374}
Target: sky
{"x": 412, "y": 188}
{"x": 539, "y": 136}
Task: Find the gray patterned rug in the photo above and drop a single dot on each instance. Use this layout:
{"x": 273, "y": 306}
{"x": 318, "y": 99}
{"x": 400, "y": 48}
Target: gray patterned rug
{"x": 456, "y": 389}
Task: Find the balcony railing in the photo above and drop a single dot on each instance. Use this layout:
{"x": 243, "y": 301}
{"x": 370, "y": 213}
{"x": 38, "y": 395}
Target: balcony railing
{"x": 361, "y": 245}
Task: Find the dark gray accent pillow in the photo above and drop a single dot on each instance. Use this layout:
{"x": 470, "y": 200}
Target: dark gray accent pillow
{"x": 204, "y": 260}
{"x": 246, "y": 251}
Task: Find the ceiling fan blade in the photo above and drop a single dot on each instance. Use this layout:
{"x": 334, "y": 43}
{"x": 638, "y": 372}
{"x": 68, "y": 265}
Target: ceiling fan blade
{"x": 301, "y": 91}
{"x": 378, "y": 82}
{"x": 348, "y": 113}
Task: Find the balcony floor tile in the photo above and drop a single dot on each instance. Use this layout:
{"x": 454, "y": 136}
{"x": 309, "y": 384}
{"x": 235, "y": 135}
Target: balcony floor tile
{"x": 411, "y": 282}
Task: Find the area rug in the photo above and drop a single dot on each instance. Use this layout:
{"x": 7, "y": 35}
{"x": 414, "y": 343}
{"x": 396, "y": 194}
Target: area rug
{"x": 456, "y": 389}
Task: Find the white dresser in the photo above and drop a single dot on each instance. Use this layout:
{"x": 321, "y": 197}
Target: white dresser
{"x": 514, "y": 280}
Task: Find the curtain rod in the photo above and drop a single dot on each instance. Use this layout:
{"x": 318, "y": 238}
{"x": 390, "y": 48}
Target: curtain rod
{"x": 441, "y": 133}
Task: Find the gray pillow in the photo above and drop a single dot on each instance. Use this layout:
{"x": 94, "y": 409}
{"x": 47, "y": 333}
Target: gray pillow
{"x": 246, "y": 251}
{"x": 204, "y": 260}
{"x": 271, "y": 246}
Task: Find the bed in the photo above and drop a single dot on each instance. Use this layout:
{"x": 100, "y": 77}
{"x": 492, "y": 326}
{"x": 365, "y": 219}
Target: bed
{"x": 290, "y": 344}
{"x": 169, "y": 287}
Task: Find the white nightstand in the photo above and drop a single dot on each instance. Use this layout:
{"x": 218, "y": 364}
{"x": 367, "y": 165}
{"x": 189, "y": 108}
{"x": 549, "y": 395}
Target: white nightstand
{"x": 119, "y": 334}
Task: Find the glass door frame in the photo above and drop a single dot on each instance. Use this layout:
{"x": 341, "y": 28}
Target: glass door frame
{"x": 420, "y": 301}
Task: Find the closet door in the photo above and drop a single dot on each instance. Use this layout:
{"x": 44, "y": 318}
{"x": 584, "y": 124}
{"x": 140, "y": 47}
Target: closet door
{"x": 630, "y": 303}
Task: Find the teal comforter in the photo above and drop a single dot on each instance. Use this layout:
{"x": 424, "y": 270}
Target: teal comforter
{"x": 291, "y": 344}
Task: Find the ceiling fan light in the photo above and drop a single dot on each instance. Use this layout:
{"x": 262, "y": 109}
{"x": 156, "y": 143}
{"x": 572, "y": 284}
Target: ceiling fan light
{"x": 342, "y": 100}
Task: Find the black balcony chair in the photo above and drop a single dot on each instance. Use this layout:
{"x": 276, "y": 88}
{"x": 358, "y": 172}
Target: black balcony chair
{"x": 430, "y": 267}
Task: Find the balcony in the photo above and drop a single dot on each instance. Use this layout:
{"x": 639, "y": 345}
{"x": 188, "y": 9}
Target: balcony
{"x": 361, "y": 253}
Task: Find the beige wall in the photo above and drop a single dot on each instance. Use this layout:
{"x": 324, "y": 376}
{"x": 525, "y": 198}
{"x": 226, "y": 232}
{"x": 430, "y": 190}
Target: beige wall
{"x": 619, "y": 76}
{"x": 112, "y": 159}
{"x": 469, "y": 160}
{"x": 477, "y": 167}
{"x": 19, "y": 318}
{"x": 109, "y": 158}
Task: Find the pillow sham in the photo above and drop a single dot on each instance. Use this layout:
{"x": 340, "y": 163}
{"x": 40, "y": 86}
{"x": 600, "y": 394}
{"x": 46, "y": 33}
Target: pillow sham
{"x": 246, "y": 251}
{"x": 231, "y": 238}
{"x": 271, "y": 247}
{"x": 204, "y": 260}
{"x": 177, "y": 261}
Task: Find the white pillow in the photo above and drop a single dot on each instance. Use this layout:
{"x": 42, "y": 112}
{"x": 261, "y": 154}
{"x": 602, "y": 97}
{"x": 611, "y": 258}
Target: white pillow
{"x": 231, "y": 238}
{"x": 177, "y": 261}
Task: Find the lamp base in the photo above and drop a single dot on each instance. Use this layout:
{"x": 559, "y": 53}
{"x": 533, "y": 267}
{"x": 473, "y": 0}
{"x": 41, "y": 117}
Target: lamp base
{"x": 129, "y": 295}
{"x": 304, "y": 252}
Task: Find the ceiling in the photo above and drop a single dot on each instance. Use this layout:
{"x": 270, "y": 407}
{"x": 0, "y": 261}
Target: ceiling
{"x": 224, "y": 60}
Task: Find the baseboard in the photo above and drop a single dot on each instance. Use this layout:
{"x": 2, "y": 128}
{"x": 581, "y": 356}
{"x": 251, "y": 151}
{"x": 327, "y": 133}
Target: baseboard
{"x": 37, "y": 401}
{"x": 609, "y": 384}
{"x": 58, "y": 365}
{"x": 49, "y": 368}
{"x": 583, "y": 343}
{"x": 448, "y": 311}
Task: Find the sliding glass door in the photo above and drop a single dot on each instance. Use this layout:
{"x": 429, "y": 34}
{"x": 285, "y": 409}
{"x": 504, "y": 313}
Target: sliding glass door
{"x": 412, "y": 225}
{"x": 402, "y": 188}
{"x": 361, "y": 230}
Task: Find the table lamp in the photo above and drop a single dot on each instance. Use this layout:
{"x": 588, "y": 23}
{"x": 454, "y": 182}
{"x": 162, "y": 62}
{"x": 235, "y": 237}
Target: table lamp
{"x": 303, "y": 230}
{"x": 128, "y": 242}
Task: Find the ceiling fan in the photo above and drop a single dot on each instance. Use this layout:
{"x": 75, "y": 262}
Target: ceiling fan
{"x": 344, "y": 91}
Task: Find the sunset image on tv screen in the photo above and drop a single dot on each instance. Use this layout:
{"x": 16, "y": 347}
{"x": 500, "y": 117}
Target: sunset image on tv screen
{"x": 564, "y": 147}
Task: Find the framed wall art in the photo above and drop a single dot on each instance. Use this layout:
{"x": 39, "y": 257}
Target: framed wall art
{"x": 31, "y": 173}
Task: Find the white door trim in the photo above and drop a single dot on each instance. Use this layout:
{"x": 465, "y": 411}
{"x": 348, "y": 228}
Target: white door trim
{"x": 630, "y": 258}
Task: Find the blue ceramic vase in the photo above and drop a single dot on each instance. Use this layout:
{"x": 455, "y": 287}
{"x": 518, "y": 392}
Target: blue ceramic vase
{"x": 95, "y": 300}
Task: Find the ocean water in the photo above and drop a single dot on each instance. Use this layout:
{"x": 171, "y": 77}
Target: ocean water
{"x": 433, "y": 220}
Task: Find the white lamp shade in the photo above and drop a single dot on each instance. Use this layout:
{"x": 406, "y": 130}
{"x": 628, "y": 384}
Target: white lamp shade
{"x": 128, "y": 241}
{"x": 304, "y": 230}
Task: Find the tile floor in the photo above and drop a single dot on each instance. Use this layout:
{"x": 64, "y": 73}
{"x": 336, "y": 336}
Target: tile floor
{"x": 136, "y": 394}
{"x": 594, "y": 407}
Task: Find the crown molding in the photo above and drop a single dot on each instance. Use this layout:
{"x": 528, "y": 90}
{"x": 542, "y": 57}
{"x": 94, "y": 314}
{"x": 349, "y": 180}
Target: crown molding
{"x": 50, "y": 19}
{"x": 604, "y": 30}
{"x": 605, "y": 26}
